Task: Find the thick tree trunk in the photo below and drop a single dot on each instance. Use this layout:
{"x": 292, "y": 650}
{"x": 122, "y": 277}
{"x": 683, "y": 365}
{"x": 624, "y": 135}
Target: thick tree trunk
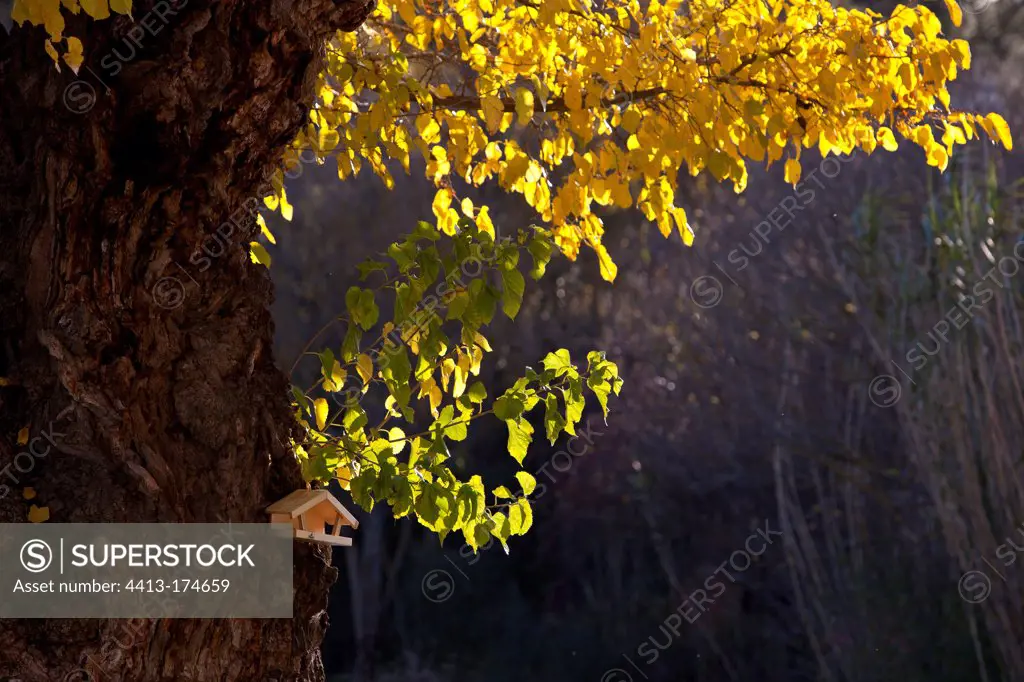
{"x": 160, "y": 360}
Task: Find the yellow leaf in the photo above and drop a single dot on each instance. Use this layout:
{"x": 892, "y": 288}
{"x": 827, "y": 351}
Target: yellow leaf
{"x": 4, "y": 381}
{"x": 344, "y": 476}
{"x": 447, "y": 367}
{"x": 908, "y": 74}
{"x": 963, "y": 50}
{"x": 428, "y": 129}
{"x": 364, "y": 366}
{"x": 608, "y": 268}
{"x": 97, "y": 9}
{"x": 286, "y": 208}
{"x": 524, "y": 105}
{"x": 20, "y": 13}
{"x": 442, "y": 202}
{"x": 481, "y": 340}
{"x": 429, "y": 388}
{"x": 397, "y": 438}
{"x": 683, "y": 225}
{"x": 478, "y": 57}
{"x": 53, "y": 20}
{"x": 23, "y": 436}
{"x": 73, "y": 57}
{"x": 955, "y": 13}
{"x": 467, "y": 207}
{"x": 461, "y": 375}
{"x": 38, "y": 514}
{"x": 1001, "y": 129}
{"x": 328, "y": 139}
{"x": 631, "y": 120}
{"x": 493, "y": 109}
{"x": 887, "y": 139}
{"x": 793, "y": 171}
{"x": 28, "y": 493}
{"x": 121, "y": 6}
{"x": 52, "y": 51}
{"x": 937, "y": 156}
{"x": 320, "y": 409}
{"x": 483, "y": 221}
{"x": 574, "y": 94}
{"x": 259, "y": 254}
{"x": 696, "y": 78}
{"x": 265, "y": 230}
{"x": 337, "y": 379}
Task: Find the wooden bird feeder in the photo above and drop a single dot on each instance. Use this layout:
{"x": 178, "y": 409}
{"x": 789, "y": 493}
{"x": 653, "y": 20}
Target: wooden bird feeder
{"x": 309, "y": 512}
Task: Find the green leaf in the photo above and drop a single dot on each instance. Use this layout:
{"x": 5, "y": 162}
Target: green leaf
{"x": 350, "y": 346}
{"x": 425, "y": 230}
{"x": 382, "y": 489}
{"x": 361, "y": 487}
{"x": 407, "y": 297}
{"x": 476, "y": 393}
{"x": 458, "y": 305}
{"x": 508, "y": 257}
{"x": 480, "y": 535}
{"x": 402, "y": 496}
{"x": 404, "y": 254}
{"x": 397, "y": 370}
{"x": 430, "y": 264}
{"x": 354, "y": 419}
{"x": 481, "y": 307}
{"x": 558, "y": 362}
{"x": 553, "y": 419}
{"x": 301, "y": 400}
{"x": 574, "y": 404}
{"x": 368, "y": 267}
{"x": 362, "y": 308}
{"x": 501, "y": 528}
{"x": 513, "y": 288}
{"x": 449, "y": 425}
{"x": 520, "y": 434}
{"x": 508, "y": 406}
{"x": 469, "y": 499}
{"x": 527, "y": 481}
{"x": 540, "y": 249}
{"x": 503, "y": 493}
{"x": 326, "y": 362}
{"x": 426, "y": 506}
{"x": 601, "y": 389}
{"x": 520, "y": 516}
{"x": 397, "y": 438}
{"x": 314, "y": 466}
{"x": 333, "y": 373}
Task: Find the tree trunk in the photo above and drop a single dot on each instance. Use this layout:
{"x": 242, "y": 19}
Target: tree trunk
{"x": 156, "y": 352}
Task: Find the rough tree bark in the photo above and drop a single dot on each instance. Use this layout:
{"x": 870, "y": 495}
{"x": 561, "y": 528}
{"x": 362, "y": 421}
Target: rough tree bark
{"x": 173, "y": 410}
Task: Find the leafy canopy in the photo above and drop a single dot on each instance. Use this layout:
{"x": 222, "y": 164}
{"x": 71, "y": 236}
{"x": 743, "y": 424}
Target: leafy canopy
{"x": 444, "y": 292}
{"x": 574, "y": 105}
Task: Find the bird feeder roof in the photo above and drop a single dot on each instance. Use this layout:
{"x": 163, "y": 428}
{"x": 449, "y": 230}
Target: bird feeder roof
{"x": 303, "y": 501}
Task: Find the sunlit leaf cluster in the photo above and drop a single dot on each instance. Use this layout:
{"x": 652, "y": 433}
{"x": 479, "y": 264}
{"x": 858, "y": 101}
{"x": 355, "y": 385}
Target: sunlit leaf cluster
{"x": 50, "y": 15}
{"x": 424, "y": 363}
{"x": 578, "y": 105}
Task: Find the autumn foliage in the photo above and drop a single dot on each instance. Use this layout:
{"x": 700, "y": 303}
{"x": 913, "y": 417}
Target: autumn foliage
{"x": 577, "y": 107}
